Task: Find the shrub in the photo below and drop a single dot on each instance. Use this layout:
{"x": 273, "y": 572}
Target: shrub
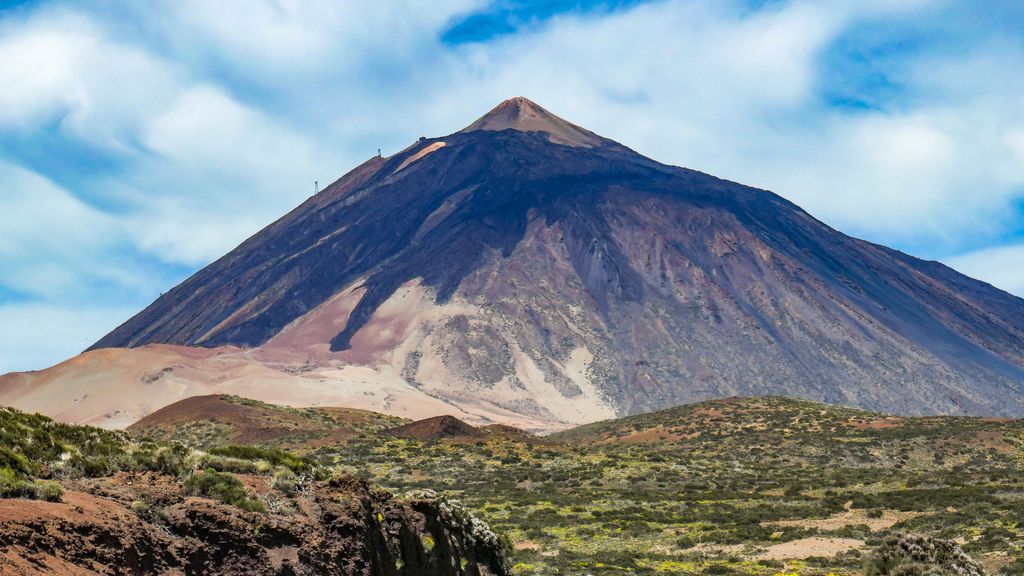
{"x": 913, "y": 555}
{"x": 16, "y": 462}
{"x": 286, "y": 481}
{"x": 168, "y": 460}
{"x": 226, "y": 464}
{"x": 49, "y": 491}
{"x": 223, "y": 487}
{"x": 275, "y": 457}
{"x": 14, "y": 485}
{"x": 150, "y": 512}
{"x": 91, "y": 467}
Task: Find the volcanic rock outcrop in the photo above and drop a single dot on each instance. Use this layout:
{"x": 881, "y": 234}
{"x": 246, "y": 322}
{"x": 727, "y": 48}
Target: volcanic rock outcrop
{"x": 141, "y": 524}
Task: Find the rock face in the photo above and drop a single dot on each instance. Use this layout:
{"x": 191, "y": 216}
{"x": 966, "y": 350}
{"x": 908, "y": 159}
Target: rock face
{"x": 140, "y": 524}
{"x": 527, "y": 271}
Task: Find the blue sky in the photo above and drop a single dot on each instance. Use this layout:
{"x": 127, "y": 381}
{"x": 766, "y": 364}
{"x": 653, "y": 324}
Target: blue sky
{"x": 140, "y": 141}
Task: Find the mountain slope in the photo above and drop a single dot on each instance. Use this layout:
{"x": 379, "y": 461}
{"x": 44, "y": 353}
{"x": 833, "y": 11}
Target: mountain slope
{"x": 526, "y": 266}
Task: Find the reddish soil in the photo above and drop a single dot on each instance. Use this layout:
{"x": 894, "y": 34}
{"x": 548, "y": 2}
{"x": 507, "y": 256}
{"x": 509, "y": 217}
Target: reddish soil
{"x": 141, "y": 524}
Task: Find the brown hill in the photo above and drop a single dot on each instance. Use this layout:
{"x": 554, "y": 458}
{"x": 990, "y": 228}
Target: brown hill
{"x": 506, "y": 431}
{"x": 787, "y": 424}
{"x": 527, "y": 271}
{"x": 204, "y": 421}
{"x": 436, "y": 427}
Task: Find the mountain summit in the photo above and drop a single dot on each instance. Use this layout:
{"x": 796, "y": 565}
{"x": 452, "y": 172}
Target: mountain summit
{"x": 526, "y": 116}
{"x": 527, "y": 271}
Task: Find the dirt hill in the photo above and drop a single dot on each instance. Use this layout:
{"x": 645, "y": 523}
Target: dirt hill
{"x": 221, "y": 419}
{"x": 436, "y": 427}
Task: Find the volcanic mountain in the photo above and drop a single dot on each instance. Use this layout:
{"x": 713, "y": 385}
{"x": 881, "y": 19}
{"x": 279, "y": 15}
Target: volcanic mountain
{"x": 528, "y": 271}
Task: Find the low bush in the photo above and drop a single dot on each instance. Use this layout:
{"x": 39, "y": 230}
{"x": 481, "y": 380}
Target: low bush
{"x": 170, "y": 460}
{"x": 275, "y": 456}
{"x": 49, "y": 491}
{"x": 16, "y": 462}
{"x": 227, "y": 464}
{"x": 286, "y": 481}
{"x": 15, "y": 485}
{"x": 914, "y": 555}
{"x": 223, "y": 487}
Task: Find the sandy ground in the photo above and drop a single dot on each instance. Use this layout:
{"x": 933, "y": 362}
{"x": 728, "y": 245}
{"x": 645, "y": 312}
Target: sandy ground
{"x": 113, "y": 388}
{"x": 809, "y": 548}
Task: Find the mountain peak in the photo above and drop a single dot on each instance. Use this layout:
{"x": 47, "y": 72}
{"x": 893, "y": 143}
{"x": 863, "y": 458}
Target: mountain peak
{"x": 511, "y": 277}
{"x": 523, "y": 114}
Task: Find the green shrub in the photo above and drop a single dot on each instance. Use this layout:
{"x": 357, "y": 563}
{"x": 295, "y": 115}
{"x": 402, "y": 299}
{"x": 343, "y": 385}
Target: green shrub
{"x": 223, "y": 487}
{"x": 16, "y": 462}
{"x": 275, "y": 456}
{"x": 14, "y": 485}
{"x": 286, "y": 481}
{"x": 49, "y": 491}
{"x": 227, "y": 464}
{"x": 91, "y": 467}
{"x": 150, "y": 512}
{"x": 168, "y": 460}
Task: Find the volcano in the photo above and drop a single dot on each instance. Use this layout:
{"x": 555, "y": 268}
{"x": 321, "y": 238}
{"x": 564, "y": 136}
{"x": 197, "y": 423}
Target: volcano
{"x": 528, "y": 271}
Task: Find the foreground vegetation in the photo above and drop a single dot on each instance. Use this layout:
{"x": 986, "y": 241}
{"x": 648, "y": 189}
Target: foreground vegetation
{"x": 765, "y": 487}
{"x": 135, "y": 506}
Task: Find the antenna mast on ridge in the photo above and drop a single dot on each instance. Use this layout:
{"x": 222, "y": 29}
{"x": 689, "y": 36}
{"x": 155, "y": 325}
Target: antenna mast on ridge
{"x": 316, "y": 187}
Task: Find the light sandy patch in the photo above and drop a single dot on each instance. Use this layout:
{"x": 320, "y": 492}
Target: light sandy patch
{"x": 576, "y": 366}
{"x": 810, "y": 548}
{"x": 527, "y": 545}
{"x": 410, "y": 321}
{"x": 312, "y": 332}
{"x": 709, "y": 548}
{"x": 418, "y": 155}
{"x": 586, "y": 407}
{"x": 402, "y": 316}
{"x": 113, "y": 388}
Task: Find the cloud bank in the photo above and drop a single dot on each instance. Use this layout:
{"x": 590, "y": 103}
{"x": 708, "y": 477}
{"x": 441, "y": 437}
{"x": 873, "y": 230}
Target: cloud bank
{"x": 139, "y": 141}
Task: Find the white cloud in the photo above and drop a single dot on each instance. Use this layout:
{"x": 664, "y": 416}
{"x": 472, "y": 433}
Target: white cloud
{"x": 36, "y": 335}
{"x": 209, "y": 135}
{"x": 199, "y": 171}
{"x": 736, "y": 94}
{"x": 58, "y": 255}
{"x": 1000, "y": 266}
{"x": 217, "y": 117}
{"x": 925, "y": 178}
{"x": 52, "y": 243}
{"x": 59, "y": 65}
{"x": 223, "y": 171}
{"x": 302, "y": 38}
